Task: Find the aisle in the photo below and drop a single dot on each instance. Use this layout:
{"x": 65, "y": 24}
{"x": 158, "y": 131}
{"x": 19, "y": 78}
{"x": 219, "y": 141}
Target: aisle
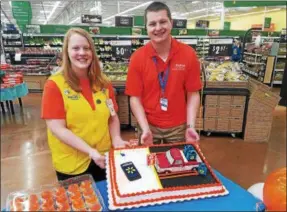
{"x": 26, "y": 159}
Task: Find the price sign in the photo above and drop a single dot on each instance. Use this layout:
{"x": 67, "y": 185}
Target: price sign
{"x": 121, "y": 48}
{"x": 190, "y": 42}
{"x": 220, "y": 47}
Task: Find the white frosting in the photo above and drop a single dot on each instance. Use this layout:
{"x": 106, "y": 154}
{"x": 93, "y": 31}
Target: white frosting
{"x": 148, "y": 182}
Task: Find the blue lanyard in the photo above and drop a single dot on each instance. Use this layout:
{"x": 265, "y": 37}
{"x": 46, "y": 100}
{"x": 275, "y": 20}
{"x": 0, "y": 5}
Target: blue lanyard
{"x": 162, "y": 79}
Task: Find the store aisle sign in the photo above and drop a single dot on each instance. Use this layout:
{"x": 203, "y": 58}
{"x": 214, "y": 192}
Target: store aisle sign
{"x": 91, "y": 19}
{"x": 267, "y": 22}
{"x": 202, "y": 24}
{"x": 220, "y": 47}
{"x": 121, "y": 48}
{"x": 123, "y": 21}
{"x": 179, "y": 23}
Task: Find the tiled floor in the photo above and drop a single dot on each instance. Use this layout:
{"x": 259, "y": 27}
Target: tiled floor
{"x": 26, "y": 159}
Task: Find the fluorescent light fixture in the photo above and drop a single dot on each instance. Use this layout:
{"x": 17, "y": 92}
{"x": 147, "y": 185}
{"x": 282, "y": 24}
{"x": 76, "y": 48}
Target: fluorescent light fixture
{"x": 10, "y": 3}
{"x": 202, "y": 16}
{"x": 201, "y": 10}
{"x": 252, "y": 13}
{"x": 128, "y": 10}
{"x": 195, "y": 2}
{"x": 52, "y": 11}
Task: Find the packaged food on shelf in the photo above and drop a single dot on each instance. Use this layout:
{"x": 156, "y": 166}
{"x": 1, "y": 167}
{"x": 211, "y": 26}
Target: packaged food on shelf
{"x": 280, "y": 65}
{"x": 75, "y": 194}
{"x": 278, "y": 76}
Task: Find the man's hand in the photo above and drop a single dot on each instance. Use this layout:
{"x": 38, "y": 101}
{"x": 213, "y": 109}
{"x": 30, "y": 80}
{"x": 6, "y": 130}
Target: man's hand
{"x": 98, "y": 158}
{"x": 147, "y": 138}
{"x": 118, "y": 142}
{"x": 191, "y": 135}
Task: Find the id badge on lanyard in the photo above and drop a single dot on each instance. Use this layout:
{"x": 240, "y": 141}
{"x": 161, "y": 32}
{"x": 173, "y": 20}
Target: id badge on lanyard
{"x": 163, "y": 82}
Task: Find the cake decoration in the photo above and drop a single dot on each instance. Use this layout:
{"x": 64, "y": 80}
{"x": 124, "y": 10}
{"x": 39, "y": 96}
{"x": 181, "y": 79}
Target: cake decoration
{"x": 168, "y": 173}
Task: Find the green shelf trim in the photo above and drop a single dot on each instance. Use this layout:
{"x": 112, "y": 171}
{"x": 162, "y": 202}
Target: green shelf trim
{"x": 62, "y": 29}
{"x": 236, "y": 3}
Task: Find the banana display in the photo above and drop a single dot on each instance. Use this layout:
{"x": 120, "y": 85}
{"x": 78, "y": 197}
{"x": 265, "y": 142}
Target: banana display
{"x": 226, "y": 71}
{"x": 115, "y": 67}
{"x": 116, "y": 71}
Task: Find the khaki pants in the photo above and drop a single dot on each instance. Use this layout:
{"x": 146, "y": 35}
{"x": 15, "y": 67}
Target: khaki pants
{"x": 169, "y": 135}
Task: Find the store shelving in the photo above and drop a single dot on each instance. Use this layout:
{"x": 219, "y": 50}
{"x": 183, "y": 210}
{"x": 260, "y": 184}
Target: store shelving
{"x": 280, "y": 62}
{"x": 257, "y": 61}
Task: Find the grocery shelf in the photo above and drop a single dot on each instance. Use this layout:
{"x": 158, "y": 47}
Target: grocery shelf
{"x": 253, "y": 54}
{"x": 253, "y": 73}
{"x": 279, "y": 70}
{"x": 253, "y": 63}
{"x": 281, "y": 56}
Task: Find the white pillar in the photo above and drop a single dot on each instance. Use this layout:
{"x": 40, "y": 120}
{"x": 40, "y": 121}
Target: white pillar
{"x": 222, "y": 15}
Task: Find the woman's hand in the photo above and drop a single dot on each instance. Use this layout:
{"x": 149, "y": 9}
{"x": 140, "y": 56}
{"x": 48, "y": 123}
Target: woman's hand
{"x": 99, "y": 159}
{"x": 118, "y": 142}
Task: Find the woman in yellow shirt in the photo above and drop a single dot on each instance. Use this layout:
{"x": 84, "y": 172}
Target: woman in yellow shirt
{"x": 80, "y": 111}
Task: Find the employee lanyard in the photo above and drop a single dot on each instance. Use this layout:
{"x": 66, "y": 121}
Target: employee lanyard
{"x": 162, "y": 79}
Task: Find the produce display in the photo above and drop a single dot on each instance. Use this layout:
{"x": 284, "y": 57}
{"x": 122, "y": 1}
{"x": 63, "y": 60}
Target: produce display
{"x": 224, "y": 71}
{"x": 280, "y": 65}
{"x": 282, "y": 49}
{"x": 75, "y": 194}
{"x": 278, "y": 76}
{"x": 115, "y": 67}
{"x": 39, "y": 41}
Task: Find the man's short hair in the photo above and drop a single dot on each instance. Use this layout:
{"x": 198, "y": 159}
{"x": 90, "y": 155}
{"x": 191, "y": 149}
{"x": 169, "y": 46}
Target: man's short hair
{"x": 155, "y": 7}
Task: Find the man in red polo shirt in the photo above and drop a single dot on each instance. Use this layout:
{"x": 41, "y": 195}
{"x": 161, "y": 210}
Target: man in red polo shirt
{"x": 163, "y": 83}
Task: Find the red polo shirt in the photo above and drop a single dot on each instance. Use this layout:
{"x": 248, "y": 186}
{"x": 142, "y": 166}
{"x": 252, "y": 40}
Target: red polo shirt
{"x": 184, "y": 76}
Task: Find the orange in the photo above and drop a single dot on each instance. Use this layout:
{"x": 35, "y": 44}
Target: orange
{"x": 47, "y": 194}
{"x": 96, "y": 207}
{"x": 274, "y": 191}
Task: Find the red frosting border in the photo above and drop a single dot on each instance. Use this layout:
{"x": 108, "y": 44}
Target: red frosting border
{"x": 112, "y": 171}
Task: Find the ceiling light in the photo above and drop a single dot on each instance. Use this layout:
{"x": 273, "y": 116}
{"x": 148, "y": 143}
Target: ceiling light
{"x": 202, "y": 16}
{"x": 201, "y": 10}
{"x": 52, "y": 12}
{"x": 252, "y": 13}
{"x": 195, "y": 2}
{"x": 128, "y": 10}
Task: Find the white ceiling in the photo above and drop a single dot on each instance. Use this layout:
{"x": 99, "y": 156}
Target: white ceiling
{"x": 69, "y": 11}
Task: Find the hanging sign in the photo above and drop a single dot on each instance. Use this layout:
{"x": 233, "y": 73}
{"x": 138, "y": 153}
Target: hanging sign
{"x": 179, "y": 23}
{"x": 123, "y": 21}
{"x": 121, "y": 48}
{"x": 220, "y": 47}
{"x": 91, "y": 19}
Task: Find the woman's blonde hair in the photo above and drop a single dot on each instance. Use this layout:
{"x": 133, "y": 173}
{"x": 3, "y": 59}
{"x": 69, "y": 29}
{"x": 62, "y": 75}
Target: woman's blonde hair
{"x": 97, "y": 79}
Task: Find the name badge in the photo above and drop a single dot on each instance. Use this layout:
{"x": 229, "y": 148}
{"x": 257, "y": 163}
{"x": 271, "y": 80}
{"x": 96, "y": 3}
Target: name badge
{"x": 110, "y": 105}
{"x": 163, "y": 104}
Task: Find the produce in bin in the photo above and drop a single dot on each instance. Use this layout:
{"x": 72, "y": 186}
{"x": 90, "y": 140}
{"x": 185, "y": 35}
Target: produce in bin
{"x": 224, "y": 71}
{"x": 75, "y": 194}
